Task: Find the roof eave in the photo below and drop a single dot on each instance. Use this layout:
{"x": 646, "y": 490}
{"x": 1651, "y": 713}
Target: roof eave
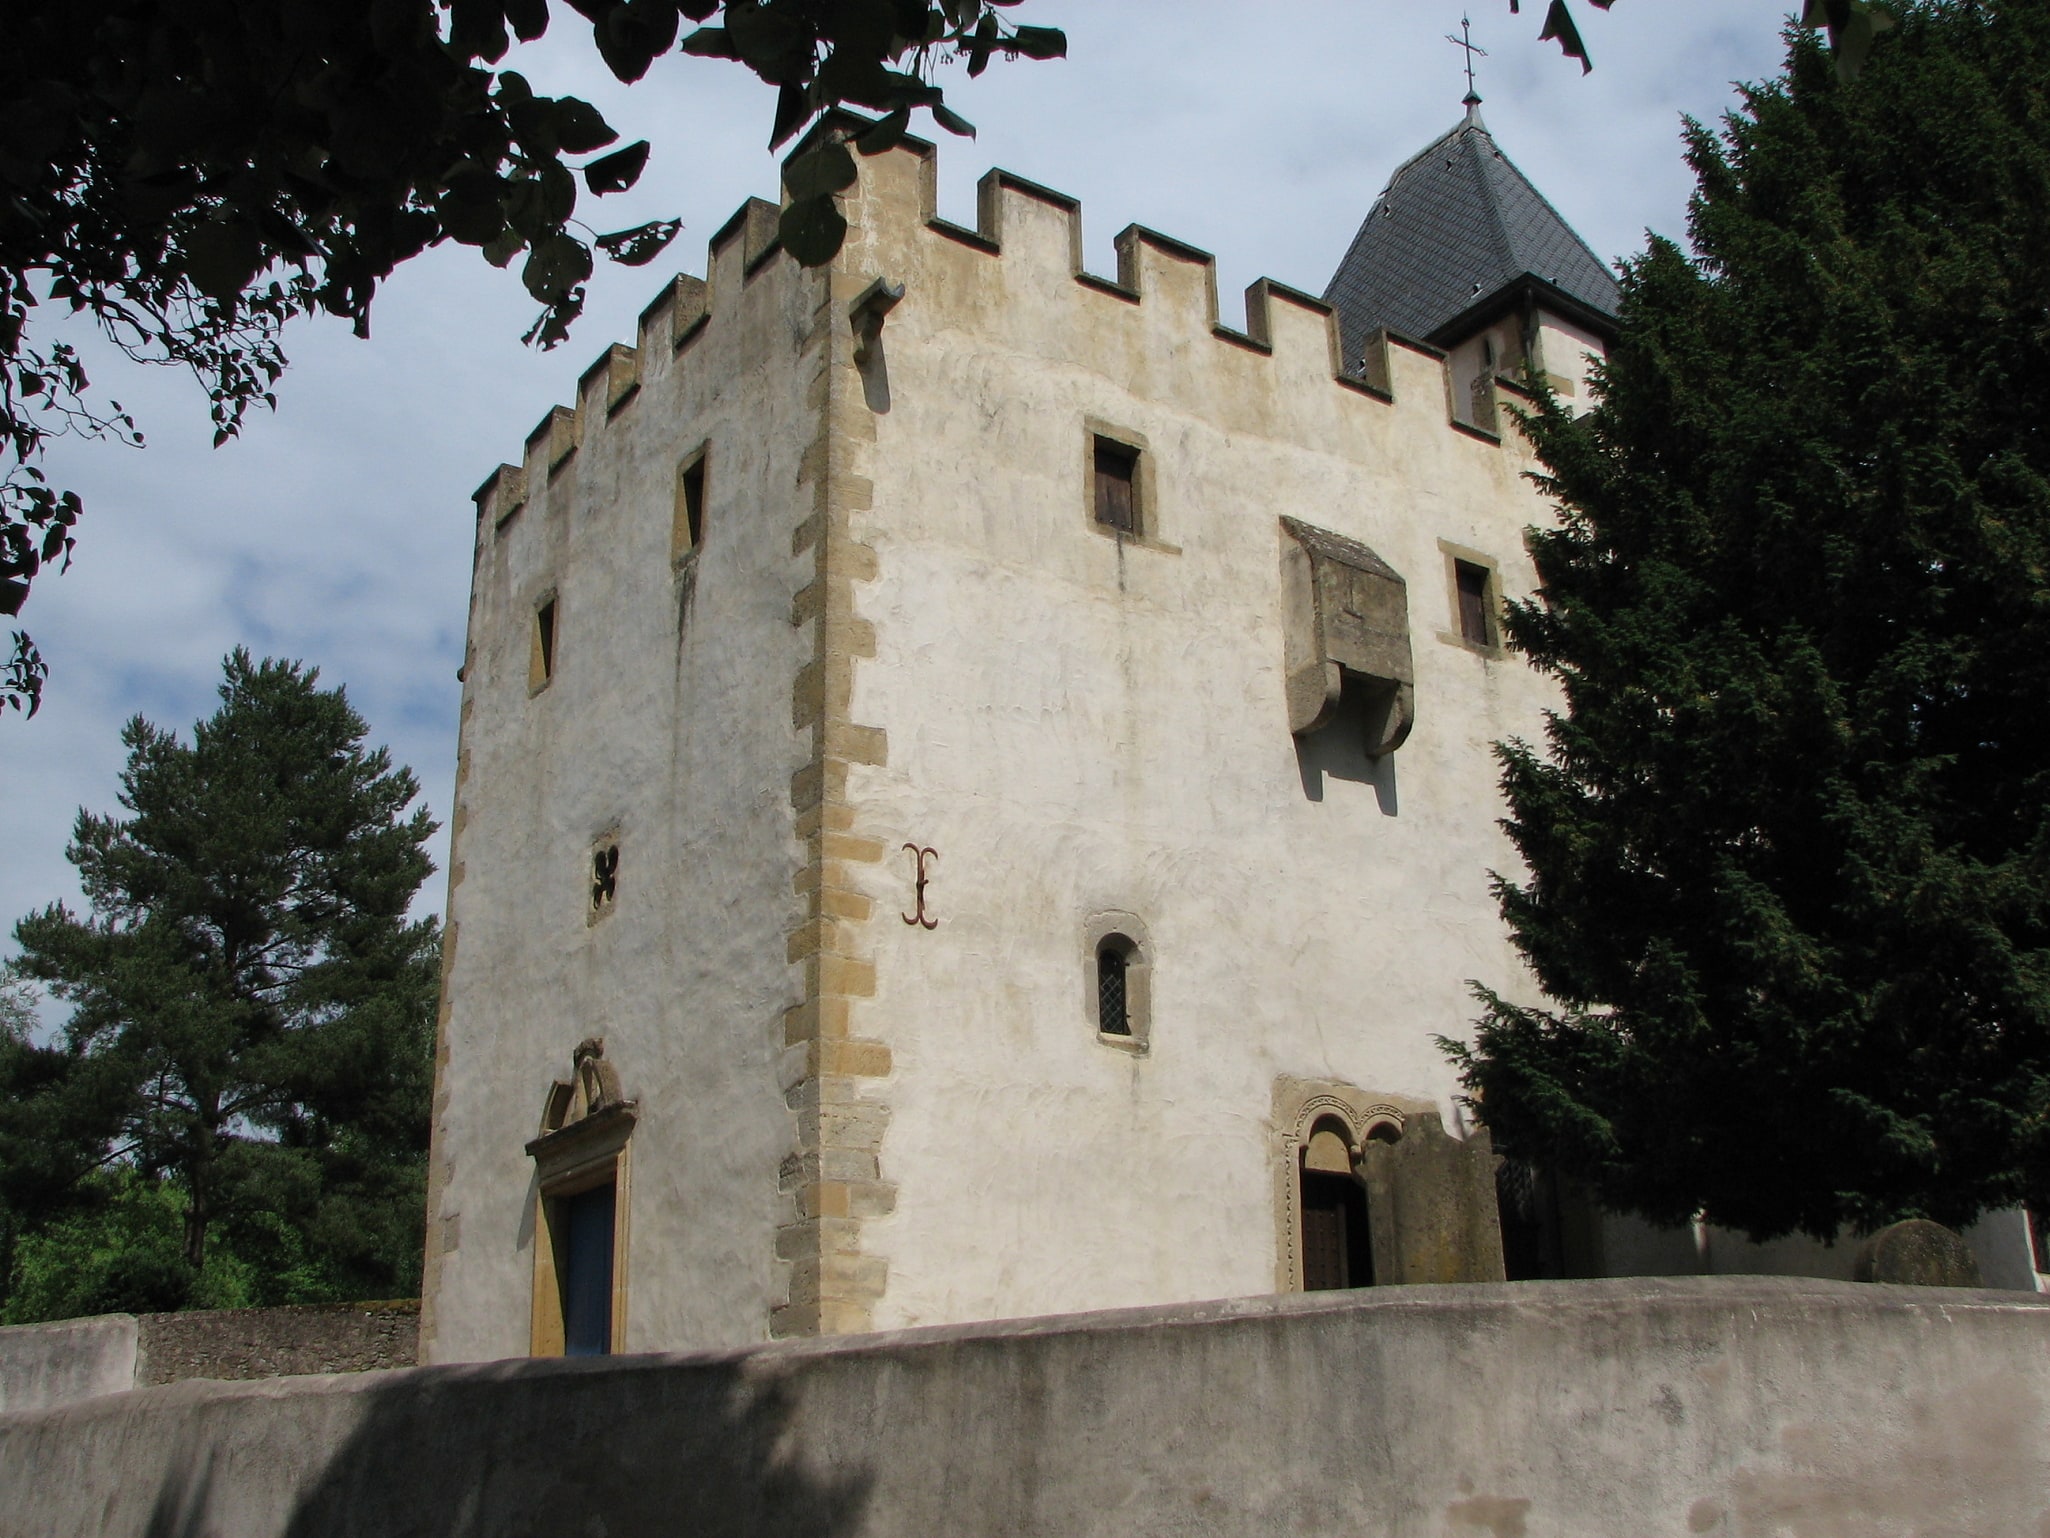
{"x": 1528, "y": 287}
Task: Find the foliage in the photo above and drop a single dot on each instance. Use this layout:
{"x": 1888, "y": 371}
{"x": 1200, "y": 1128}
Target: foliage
{"x": 1789, "y": 841}
{"x": 1853, "y": 27}
{"x": 250, "y": 1039}
{"x": 193, "y": 173}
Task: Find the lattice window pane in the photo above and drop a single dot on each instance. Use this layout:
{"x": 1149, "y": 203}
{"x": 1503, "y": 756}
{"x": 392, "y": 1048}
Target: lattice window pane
{"x": 1113, "y": 1017}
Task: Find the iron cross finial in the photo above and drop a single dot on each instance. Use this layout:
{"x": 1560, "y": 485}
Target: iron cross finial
{"x": 1473, "y": 51}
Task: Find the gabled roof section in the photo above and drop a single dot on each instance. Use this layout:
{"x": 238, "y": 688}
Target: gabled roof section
{"x": 1457, "y": 226}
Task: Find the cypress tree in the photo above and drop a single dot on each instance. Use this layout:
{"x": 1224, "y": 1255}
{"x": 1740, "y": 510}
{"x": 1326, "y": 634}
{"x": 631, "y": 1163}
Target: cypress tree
{"x": 1788, "y": 836}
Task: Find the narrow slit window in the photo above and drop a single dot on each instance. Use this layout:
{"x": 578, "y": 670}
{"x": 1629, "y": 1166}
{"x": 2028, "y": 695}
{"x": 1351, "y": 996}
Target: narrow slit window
{"x": 1476, "y": 609}
{"x": 690, "y": 507}
{"x": 1117, "y": 486}
{"x": 1113, "y": 1002}
{"x": 543, "y": 668}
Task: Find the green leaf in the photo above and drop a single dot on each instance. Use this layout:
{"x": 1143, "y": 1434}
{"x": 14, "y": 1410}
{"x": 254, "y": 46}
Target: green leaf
{"x": 471, "y": 209}
{"x": 812, "y": 231}
{"x": 558, "y": 192}
{"x": 619, "y": 170}
{"x": 820, "y": 171}
{"x": 979, "y": 48}
{"x": 477, "y": 29}
{"x": 641, "y": 244}
{"x": 631, "y": 35}
{"x": 770, "y": 40}
{"x": 1039, "y": 43}
{"x": 555, "y": 266}
{"x": 529, "y": 18}
{"x": 533, "y": 125}
{"x": 1559, "y": 27}
{"x": 580, "y": 127}
{"x": 793, "y": 111}
{"x": 886, "y": 134}
{"x": 710, "y": 43}
{"x": 952, "y": 121}
{"x": 221, "y": 257}
{"x": 501, "y": 251}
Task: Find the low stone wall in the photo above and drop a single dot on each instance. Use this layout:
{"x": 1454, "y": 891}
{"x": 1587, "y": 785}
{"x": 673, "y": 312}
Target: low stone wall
{"x": 239, "y": 1343}
{"x": 1742, "y": 1407}
{"x": 46, "y": 1366}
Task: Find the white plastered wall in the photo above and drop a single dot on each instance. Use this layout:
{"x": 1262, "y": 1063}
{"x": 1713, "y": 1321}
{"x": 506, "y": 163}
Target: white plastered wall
{"x": 1079, "y": 725}
{"x": 672, "y": 731}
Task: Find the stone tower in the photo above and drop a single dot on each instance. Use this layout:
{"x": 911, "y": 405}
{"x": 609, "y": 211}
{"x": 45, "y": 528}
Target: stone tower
{"x": 975, "y": 791}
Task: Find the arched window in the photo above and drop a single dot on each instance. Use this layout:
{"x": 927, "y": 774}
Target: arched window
{"x": 1337, "y": 1249}
{"x": 1113, "y": 998}
{"x": 1117, "y": 980}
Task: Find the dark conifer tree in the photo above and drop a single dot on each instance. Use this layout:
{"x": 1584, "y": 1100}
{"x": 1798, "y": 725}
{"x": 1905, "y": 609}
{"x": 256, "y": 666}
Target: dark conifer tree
{"x": 1788, "y": 840}
{"x": 252, "y": 1011}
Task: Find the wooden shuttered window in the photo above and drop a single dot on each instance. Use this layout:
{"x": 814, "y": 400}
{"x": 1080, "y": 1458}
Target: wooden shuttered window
{"x": 1117, "y": 486}
{"x": 1476, "y": 609}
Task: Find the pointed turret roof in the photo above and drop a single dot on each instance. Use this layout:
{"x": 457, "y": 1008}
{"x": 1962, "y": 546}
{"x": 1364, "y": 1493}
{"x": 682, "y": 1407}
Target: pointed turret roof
{"x": 1458, "y": 229}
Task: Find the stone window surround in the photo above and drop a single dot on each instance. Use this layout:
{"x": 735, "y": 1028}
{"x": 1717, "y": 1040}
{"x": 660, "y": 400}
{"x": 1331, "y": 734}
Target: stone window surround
{"x": 1097, "y": 928}
{"x": 1299, "y": 1105}
{"x": 1454, "y": 555}
{"x": 585, "y": 1142}
{"x": 1145, "y": 491}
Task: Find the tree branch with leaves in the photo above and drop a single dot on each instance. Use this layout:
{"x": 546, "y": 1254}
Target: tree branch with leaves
{"x": 190, "y": 176}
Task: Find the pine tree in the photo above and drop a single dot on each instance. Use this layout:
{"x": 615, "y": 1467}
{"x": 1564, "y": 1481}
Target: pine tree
{"x": 252, "y": 1011}
{"x": 1788, "y": 840}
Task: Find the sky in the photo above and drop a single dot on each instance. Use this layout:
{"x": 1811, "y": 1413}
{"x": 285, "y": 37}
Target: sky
{"x": 338, "y": 529}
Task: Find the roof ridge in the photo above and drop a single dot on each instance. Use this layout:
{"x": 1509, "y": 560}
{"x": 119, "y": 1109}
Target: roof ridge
{"x": 1463, "y": 126}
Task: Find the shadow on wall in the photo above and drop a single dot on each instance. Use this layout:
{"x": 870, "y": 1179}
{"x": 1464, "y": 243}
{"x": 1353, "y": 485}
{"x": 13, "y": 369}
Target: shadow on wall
{"x": 620, "y": 1447}
{"x": 1338, "y": 750}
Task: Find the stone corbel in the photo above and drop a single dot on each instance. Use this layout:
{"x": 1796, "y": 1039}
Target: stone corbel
{"x": 1346, "y": 627}
{"x": 866, "y": 315}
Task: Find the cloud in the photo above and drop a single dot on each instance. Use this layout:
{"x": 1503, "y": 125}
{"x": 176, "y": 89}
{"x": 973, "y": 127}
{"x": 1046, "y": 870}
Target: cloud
{"x": 338, "y": 530}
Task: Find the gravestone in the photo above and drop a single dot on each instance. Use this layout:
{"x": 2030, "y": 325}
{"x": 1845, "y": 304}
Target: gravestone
{"x": 1917, "y": 1253}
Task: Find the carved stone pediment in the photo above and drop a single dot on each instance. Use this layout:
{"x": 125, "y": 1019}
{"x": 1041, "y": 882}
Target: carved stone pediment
{"x": 1345, "y": 624}
{"x": 584, "y": 1116}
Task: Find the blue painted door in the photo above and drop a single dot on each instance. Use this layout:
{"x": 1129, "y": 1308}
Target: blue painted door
{"x": 587, "y": 1286}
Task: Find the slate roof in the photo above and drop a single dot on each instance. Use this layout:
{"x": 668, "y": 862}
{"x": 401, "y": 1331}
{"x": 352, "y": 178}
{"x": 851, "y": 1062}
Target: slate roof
{"x": 1457, "y": 225}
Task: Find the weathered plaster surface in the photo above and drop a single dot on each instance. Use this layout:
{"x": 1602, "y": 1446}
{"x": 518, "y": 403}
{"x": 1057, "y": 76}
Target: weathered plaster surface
{"x": 667, "y": 725}
{"x": 43, "y": 1366}
{"x": 1734, "y": 1408}
{"x": 1079, "y": 723}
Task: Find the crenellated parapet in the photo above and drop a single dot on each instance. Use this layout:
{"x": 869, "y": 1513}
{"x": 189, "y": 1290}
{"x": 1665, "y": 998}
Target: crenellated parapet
{"x": 1036, "y": 232}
